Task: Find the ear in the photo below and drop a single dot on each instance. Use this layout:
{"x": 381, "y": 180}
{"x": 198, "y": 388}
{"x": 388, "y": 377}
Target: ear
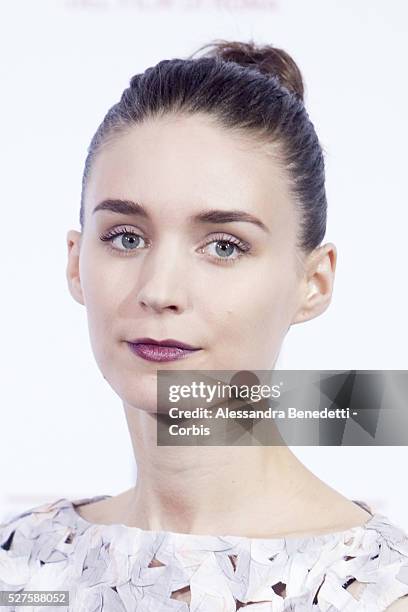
{"x": 73, "y": 277}
{"x": 316, "y": 296}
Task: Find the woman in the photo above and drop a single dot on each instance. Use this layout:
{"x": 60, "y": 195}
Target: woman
{"x": 202, "y": 216}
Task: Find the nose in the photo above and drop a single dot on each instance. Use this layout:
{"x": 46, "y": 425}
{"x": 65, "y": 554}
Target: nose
{"x": 163, "y": 283}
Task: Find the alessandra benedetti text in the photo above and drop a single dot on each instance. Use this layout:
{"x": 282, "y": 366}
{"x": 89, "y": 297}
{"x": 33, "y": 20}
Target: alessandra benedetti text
{"x": 268, "y": 413}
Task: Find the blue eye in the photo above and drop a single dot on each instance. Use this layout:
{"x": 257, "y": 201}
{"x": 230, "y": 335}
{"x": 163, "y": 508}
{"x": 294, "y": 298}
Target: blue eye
{"x": 225, "y": 246}
{"x": 129, "y": 240}
{"x": 228, "y": 249}
{"x": 224, "y": 249}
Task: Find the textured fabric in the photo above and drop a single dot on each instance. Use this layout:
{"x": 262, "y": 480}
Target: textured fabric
{"x": 116, "y": 568}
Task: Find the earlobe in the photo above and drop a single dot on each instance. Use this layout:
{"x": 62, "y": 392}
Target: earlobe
{"x": 318, "y": 290}
{"x": 72, "y": 271}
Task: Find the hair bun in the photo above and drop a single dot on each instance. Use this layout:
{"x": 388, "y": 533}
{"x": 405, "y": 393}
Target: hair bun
{"x": 265, "y": 58}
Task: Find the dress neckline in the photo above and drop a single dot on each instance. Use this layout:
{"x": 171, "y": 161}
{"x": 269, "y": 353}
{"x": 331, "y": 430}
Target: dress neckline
{"x": 374, "y": 520}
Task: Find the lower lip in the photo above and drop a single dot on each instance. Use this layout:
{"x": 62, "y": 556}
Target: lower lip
{"x": 155, "y": 352}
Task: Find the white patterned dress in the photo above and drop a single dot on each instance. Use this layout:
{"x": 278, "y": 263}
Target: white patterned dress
{"x": 116, "y": 568}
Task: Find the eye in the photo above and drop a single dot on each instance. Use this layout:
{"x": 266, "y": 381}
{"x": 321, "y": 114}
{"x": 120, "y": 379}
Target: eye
{"x": 224, "y": 247}
{"x": 227, "y": 249}
{"x": 125, "y": 239}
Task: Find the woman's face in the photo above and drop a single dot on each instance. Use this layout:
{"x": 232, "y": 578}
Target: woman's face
{"x": 167, "y": 275}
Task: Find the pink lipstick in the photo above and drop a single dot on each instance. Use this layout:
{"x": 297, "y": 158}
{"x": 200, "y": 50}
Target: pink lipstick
{"x": 163, "y": 350}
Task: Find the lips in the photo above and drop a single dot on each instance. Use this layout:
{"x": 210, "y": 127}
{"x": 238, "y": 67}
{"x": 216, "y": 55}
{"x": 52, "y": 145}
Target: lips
{"x": 167, "y": 342}
{"x": 163, "y": 350}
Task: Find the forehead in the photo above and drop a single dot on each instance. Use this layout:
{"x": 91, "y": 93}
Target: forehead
{"x": 176, "y": 165}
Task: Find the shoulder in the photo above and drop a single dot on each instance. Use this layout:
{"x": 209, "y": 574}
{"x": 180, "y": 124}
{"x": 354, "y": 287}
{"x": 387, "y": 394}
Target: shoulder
{"x": 34, "y": 540}
{"x": 16, "y": 543}
{"x": 20, "y": 530}
{"x": 13, "y": 523}
{"x": 41, "y": 510}
{"x": 381, "y": 576}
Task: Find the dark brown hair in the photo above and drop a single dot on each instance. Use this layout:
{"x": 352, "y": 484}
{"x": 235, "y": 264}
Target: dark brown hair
{"x": 255, "y": 89}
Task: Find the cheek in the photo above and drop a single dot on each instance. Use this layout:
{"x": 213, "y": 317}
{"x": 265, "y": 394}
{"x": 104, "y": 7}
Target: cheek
{"x": 256, "y": 316}
{"x": 102, "y": 294}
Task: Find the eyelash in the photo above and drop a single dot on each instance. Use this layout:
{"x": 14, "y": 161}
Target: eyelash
{"x": 242, "y": 246}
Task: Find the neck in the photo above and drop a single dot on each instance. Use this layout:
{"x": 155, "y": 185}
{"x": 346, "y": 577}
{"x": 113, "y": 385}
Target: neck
{"x": 213, "y": 489}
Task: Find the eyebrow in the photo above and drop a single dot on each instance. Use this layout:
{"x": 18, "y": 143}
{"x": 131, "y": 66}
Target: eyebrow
{"x": 127, "y": 207}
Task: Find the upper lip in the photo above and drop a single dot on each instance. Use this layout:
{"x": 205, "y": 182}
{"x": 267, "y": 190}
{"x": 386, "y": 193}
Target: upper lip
{"x": 166, "y": 342}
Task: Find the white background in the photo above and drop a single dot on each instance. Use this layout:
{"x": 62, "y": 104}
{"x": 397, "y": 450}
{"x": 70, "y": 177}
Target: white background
{"x": 63, "y": 431}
